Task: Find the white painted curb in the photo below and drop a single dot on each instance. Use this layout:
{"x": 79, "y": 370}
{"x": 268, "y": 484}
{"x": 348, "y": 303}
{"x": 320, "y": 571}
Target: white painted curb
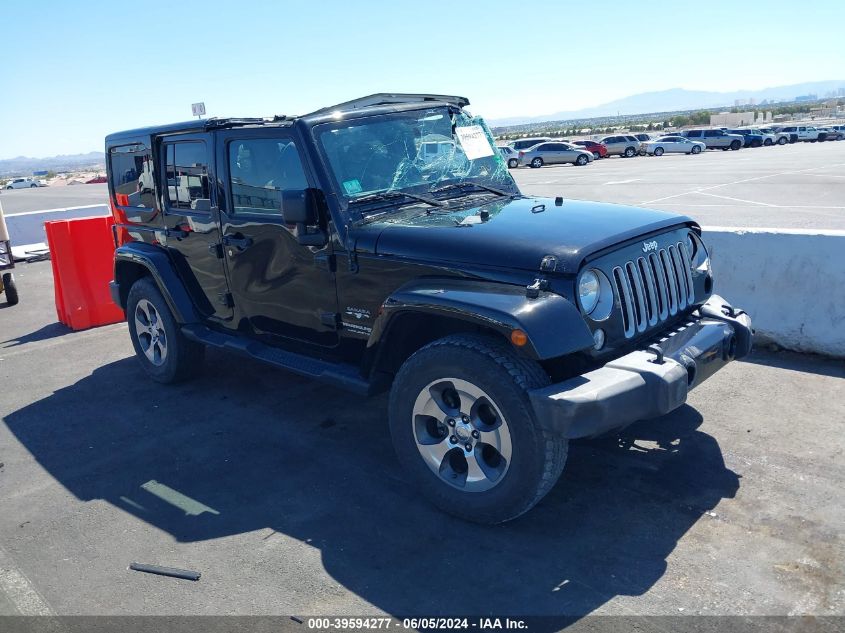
{"x": 791, "y": 282}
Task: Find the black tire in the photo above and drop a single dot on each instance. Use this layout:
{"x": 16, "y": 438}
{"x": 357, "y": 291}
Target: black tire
{"x": 10, "y": 288}
{"x": 630, "y": 152}
{"x": 537, "y": 457}
{"x": 183, "y": 357}
{"x": 658, "y": 151}
{"x": 582, "y": 160}
{"x": 33, "y": 186}
{"x": 596, "y": 155}
{"x": 536, "y": 163}
{"x": 695, "y": 149}
{"x": 783, "y": 140}
{"x": 768, "y": 142}
{"x": 735, "y": 145}
{"x": 513, "y": 163}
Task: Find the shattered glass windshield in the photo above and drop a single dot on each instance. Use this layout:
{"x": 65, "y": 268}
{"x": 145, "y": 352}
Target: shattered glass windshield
{"x": 420, "y": 153}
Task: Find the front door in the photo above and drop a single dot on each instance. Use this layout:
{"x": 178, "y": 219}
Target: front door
{"x": 280, "y": 288}
{"x": 193, "y": 233}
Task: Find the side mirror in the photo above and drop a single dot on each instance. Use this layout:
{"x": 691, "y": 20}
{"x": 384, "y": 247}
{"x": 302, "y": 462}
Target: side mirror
{"x": 301, "y": 207}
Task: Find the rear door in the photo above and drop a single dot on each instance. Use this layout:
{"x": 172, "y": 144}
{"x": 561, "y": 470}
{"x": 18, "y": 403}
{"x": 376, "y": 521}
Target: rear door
{"x": 280, "y": 288}
{"x": 191, "y": 222}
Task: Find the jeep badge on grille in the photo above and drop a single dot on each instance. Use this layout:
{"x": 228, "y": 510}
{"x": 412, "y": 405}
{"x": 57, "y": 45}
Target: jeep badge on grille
{"x": 649, "y": 246}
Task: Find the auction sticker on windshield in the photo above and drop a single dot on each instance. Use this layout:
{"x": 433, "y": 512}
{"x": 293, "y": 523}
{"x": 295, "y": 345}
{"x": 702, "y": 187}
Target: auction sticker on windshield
{"x": 474, "y": 141}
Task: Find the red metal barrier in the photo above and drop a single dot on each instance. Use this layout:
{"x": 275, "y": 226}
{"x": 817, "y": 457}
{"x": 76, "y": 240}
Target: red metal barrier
{"x": 82, "y": 254}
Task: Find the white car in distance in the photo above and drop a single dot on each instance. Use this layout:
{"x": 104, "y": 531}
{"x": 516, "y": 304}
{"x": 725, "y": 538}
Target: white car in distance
{"x": 673, "y": 144}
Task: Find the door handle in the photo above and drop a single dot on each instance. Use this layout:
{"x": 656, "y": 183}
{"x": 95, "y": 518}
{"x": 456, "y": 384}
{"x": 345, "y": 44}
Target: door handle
{"x": 238, "y": 241}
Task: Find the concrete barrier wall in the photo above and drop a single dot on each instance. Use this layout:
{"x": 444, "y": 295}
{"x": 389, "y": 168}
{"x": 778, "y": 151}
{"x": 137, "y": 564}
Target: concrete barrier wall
{"x": 791, "y": 282}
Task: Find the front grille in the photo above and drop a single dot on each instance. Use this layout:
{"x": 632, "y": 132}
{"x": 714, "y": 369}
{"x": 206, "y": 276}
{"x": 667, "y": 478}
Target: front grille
{"x": 654, "y": 287}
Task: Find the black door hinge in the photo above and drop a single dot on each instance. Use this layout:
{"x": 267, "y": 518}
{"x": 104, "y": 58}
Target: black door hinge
{"x": 533, "y": 291}
{"x": 330, "y": 319}
{"x": 225, "y": 299}
{"x": 326, "y": 262}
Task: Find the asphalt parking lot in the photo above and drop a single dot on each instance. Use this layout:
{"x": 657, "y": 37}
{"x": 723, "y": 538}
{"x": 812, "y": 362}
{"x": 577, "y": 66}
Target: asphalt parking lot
{"x": 44, "y": 198}
{"x": 286, "y": 495}
{"x": 800, "y": 186}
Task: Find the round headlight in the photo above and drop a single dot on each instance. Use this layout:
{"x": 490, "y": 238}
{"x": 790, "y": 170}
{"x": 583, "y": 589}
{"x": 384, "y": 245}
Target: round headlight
{"x": 588, "y": 290}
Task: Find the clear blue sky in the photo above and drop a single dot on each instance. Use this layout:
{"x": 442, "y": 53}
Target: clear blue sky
{"x": 75, "y": 71}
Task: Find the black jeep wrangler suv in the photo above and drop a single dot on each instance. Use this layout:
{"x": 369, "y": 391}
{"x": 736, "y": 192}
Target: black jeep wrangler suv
{"x": 382, "y": 244}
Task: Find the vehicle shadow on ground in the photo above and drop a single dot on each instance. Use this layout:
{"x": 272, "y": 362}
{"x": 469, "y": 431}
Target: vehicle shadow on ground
{"x": 245, "y": 447}
{"x": 53, "y": 330}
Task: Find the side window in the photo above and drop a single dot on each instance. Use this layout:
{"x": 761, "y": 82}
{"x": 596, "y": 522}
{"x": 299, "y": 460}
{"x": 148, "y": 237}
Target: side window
{"x": 131, "y": 173}
{"x": 711, "y": 133}
{"x": 694, "y": 134}
{"x": 186, "y": 172}
{"x": 259, "y": 170}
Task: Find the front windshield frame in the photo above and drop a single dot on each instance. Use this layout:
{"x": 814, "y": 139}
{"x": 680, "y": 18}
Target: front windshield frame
{"x": 401, "y": 142}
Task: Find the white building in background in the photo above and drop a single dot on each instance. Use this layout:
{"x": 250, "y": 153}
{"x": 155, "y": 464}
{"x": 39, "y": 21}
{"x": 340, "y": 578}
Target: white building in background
{"x": 738, "y": 119}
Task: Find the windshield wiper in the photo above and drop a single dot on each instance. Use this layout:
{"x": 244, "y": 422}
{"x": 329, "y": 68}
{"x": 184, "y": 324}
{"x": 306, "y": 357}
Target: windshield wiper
{"x": 469, "y": 183}
{"x": 392, "y": 195}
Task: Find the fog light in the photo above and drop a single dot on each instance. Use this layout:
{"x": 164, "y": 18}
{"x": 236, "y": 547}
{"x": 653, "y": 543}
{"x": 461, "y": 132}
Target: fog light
{"x": 598, "y": 338}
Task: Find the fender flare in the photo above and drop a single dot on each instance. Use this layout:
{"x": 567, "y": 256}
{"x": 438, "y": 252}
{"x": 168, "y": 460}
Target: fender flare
{"x": 554, "y": 325}
{"x": 161, "y": 269}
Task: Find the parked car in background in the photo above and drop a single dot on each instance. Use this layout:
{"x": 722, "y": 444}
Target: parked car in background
{"x": 780, "y": 138}
{"x": 831, "y": 134}
{"x": 801, "y": 133}
{"x": 625, "y": 145}
{"x": 598, "y": 149}
{"x": 21, "y": 183}
{"x": 715, "y": 139}
{"x": 510, "y": 156}
{"x": 673, "y": 144}
{"x": 555, "y": 153}
{"x": 525, "y": 143}
{"x": 751, "y": 139}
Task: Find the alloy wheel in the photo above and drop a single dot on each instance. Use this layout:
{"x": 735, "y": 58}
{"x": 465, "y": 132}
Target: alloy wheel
{"x": 149, "y": 330}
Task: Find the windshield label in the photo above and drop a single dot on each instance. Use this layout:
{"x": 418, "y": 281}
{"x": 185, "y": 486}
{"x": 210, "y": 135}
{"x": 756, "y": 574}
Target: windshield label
{"x": 352, "y": 186}
{"x": 474, "y": 141}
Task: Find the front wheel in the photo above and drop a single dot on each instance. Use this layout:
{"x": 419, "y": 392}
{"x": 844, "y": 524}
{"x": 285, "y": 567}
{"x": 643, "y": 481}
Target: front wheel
{"x": 696, "y": 149}
{"x": 537, "y": 162}
{"x": 782, "y": 140}
{"x": 11, "y": 289}
{"x": 658, "y": 151}
{"x": 163, "y": 351}
{"x": 513, "y": 163}
{"x": 464, "y": 430}
{"x": 630, "y": 152}
{"x": 768, "y": 142}
{"x": 582, "y": 160}
{"x": 735, "y": 145}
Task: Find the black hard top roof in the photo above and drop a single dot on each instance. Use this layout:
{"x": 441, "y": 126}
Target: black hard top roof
{"x": 378, "y": 101}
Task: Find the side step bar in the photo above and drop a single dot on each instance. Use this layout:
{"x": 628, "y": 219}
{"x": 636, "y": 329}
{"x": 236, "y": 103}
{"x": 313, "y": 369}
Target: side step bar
{"x": 338, "y": 374}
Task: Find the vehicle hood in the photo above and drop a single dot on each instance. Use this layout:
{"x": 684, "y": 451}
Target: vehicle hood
{"x": 517, "y": 233}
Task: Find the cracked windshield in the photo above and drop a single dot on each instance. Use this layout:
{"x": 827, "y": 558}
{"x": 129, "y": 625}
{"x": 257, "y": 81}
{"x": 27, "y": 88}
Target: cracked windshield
{"x": 419, "y": 157}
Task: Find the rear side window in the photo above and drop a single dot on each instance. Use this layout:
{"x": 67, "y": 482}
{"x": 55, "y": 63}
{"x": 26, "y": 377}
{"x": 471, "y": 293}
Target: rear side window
{"x": 131, "y": 174}
{"x": 694, "y": 134}
{"x": 712, "y": 133}
{"x": 260, "y": 169}
{"x": 186, "y": 171}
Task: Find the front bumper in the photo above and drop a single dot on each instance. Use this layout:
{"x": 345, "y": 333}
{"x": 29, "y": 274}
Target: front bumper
{"x": 646, "y": 383}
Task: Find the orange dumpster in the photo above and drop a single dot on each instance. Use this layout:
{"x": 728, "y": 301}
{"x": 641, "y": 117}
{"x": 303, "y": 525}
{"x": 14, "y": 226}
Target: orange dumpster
{"x": 82, "y": 255}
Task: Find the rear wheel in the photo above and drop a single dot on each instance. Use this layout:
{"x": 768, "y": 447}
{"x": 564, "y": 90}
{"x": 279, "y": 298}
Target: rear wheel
{"x": 10, "y": 288}
{"x": 582, "y": 160}
{"x": 696, "y": 149}
{"x": 768, "y": 142}
{"x": 658, "y": 151}
{"x": 512, "y": 163}
{"x": 596, "y": 155}
{"x": 464, "y": 430}
{"x": 630, "y": 152}
{"x": 537, "y": 162}
{"x": 33, "y": 186}
{"x": 782, "y": 140}
{"x": 735, "y": 145}
{"x": 163, "y": 351}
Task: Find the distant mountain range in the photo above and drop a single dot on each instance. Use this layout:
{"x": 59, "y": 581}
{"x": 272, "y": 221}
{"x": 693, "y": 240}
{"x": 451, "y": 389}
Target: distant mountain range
{"x": 24, "y": 165}
{"x": 677, "y": 99}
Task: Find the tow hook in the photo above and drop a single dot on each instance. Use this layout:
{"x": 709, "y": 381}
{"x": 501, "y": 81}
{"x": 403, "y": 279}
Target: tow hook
{"x": 658, "y": 352}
